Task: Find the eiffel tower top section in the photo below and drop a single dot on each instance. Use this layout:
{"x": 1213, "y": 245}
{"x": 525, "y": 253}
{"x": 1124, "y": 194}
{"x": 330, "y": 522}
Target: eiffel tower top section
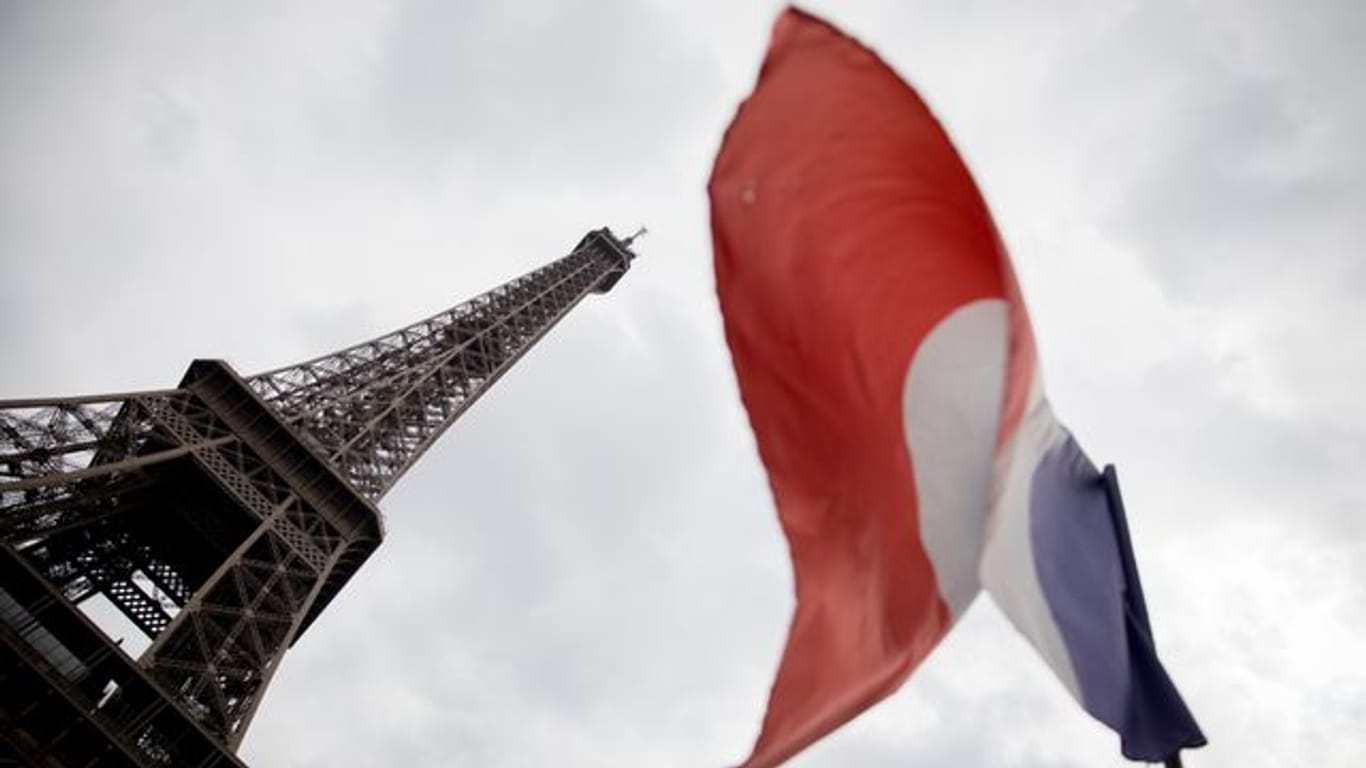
{"x": 372, "y": 409}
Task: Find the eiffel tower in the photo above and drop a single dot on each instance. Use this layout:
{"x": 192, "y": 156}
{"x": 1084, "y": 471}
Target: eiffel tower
{"x": 221, "y": 517}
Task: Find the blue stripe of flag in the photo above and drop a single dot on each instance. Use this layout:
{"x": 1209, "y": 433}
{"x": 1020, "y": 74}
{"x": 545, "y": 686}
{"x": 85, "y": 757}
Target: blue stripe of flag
{"x": 1085, "y": 566}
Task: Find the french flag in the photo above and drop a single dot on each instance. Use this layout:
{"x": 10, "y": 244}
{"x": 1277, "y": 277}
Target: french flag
{"x": 885, "y": 358}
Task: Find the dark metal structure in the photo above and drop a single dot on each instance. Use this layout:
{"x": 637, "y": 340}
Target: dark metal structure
{"x": 221, "y": 517}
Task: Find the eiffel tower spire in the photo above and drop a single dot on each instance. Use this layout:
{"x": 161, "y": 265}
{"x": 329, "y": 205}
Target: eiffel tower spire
{"x": 372, "y": 409}
{"x": 222, "y": 516}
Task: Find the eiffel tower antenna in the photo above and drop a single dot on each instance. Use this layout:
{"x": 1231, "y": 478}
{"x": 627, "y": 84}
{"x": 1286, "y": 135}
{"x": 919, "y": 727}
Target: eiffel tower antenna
{"x": 221, "y": 517}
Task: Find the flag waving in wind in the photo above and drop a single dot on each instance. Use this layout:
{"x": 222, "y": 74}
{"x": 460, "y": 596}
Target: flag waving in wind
{"x": 885, "y": 357}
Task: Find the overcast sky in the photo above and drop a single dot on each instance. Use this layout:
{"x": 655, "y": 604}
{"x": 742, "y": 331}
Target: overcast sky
{"x": 587, "y": 570}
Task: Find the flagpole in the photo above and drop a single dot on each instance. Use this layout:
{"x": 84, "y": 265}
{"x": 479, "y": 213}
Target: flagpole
{"x": 1135, "y": 598}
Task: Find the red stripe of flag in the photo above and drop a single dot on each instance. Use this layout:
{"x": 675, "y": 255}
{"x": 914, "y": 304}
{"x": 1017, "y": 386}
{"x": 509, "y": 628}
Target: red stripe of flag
{"x": 845, "y": 227}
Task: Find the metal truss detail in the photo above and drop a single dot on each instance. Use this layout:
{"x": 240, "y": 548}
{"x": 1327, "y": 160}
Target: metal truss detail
{"x": 218, "y": 656}
{"x": 372, "y": 409}
{"x": 63, "y": 457}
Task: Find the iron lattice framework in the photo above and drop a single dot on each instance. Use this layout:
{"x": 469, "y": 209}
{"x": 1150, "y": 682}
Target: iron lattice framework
{"x": 221, "y": 517}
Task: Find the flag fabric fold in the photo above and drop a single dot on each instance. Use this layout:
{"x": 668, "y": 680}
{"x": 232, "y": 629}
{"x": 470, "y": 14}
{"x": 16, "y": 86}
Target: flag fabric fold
{"x": 885, "y": 358}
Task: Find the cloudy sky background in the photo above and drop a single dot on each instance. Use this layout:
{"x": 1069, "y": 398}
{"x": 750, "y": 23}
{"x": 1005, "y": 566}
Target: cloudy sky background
{"x": 587, "y": 570}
